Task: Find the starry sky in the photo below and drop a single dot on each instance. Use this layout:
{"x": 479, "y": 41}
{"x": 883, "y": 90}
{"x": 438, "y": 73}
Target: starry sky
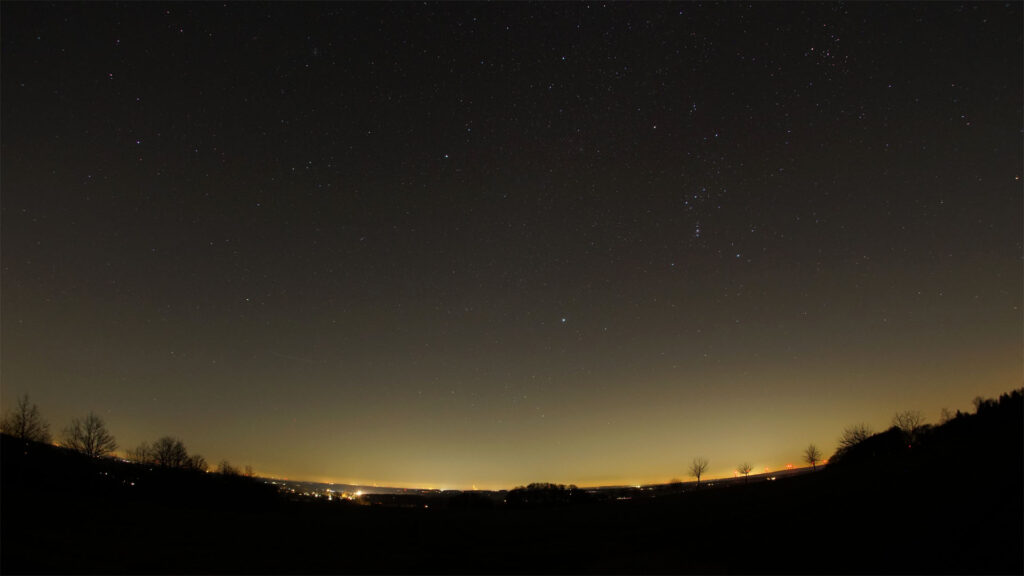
{"x": 453, "y": 245}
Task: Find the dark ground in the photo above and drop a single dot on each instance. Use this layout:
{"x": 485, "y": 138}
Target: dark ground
{"x": 952, "y": 504}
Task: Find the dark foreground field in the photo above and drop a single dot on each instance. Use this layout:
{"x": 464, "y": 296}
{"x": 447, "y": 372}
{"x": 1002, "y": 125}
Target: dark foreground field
{"x": 952, "y": 504}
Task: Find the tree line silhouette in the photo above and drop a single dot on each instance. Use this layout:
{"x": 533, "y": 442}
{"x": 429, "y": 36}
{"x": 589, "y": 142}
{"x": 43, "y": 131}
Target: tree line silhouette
{"x": 962, "y": 523}
{"x": 90, "y": 437}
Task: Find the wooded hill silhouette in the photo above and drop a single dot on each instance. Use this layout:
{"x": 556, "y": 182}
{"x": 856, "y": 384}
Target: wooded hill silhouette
{"x": 947, "y": 499}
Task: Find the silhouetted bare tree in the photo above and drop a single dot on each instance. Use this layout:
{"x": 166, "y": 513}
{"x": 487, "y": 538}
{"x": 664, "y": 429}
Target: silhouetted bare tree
{"x": 141, "y": 453}
{"x": 945, "y": 415}
{"x": 90, "y": 437}
{"x": 812, "y": 456}
{"x": 854, "y": 435}
{"x": 697, "y": 467}
{"x": 196, "y": 462}
{"x": 744, "y": 469}
{"x": 227, "y": 469}
{"x": 25, "y": 423}
{"x": 910, "y": 422}
{"x": 169, "y": 452}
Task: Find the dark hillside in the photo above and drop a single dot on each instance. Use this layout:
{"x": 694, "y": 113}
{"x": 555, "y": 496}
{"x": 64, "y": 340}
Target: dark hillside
{"x": 949, "y": 503}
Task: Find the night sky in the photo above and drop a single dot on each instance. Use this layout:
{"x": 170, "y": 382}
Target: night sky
{"x": 447, "y": 245}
